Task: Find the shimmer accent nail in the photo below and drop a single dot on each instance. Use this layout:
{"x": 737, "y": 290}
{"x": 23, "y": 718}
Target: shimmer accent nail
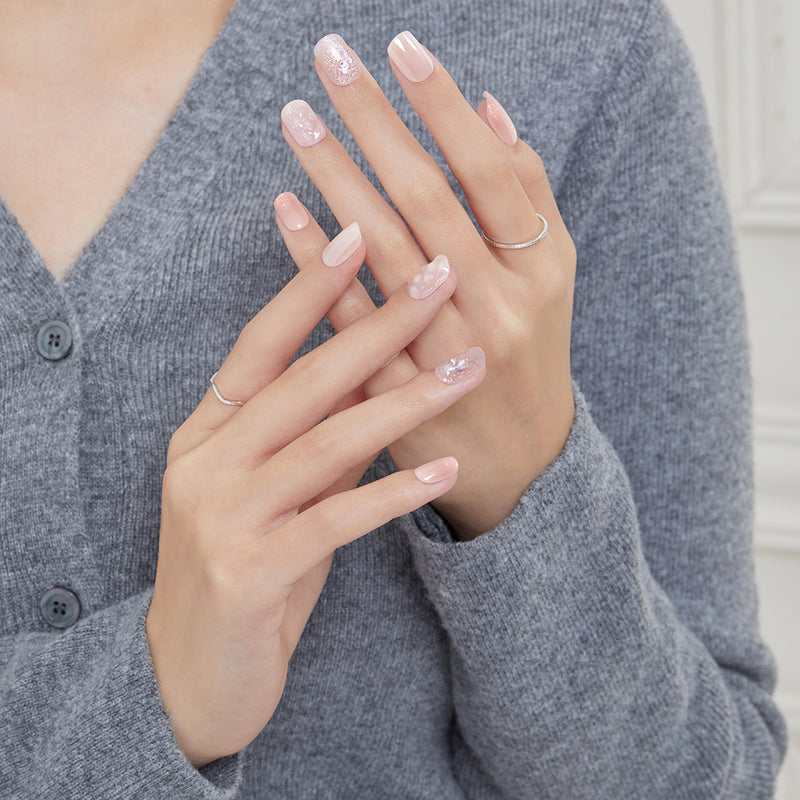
{"x": 437, "y": 471}
{"x": 410, "y": 57}
{"x": 337, "y": 59}
{"x": 499, "y": 121}
{"x": 461, "y": 367}
{"x": 290, "y": 212}
{"x": 343, "y": 246}
{"x": 302, "y": 123}
{"x": 429, "y": 278}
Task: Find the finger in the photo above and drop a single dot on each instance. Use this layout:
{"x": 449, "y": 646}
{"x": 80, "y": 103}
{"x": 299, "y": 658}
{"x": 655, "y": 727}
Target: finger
{"x": 477, "y": 158}
{"x": 393, "y": 254}
{"x": 341, "y": 441}
{"x": 305, "y": 244}
{"x": 269, "y": 341}
{"x": 313, "y": 535}
{"x": 527, "y": 165}
{"x": 307, "y": 391}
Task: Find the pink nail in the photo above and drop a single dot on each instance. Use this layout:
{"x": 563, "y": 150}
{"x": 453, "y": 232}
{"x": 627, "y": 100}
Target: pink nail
{"x": 462, "y": 367}
{"x": 437, "y": 471}
{"x": 343, "y": 246}
{"x": 337, "y": 59}
{"x": 410, "y": 57}
{"x": 429, "y": 278}
{"x": 499, "y": 121}
{"x": 302, "y": 123}
{"x": 290, "y": 212}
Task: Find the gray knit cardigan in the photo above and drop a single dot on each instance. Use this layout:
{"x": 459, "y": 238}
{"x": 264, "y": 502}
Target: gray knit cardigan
{"x": 601, "y": 643}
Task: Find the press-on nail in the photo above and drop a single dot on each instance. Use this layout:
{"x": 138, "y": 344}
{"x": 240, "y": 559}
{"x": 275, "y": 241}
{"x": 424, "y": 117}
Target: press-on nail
{"x": 461, "y": 367}
{"x": 337, "y": 59}
{"x": 437, "y": 471}
{"x": 343, "y": 246}
{"x": 410, "y": 57}
{"x": 290, "y": 212}
{"x": 429, "y": 278}
{"x": 305, "y": 127}
{"x": 499, "y": 121}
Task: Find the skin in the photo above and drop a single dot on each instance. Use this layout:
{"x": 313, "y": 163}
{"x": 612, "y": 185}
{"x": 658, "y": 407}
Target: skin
{"x": 517, "y": 304}
{"x": 77, "y": 124}
{"x": 222, "y": 535}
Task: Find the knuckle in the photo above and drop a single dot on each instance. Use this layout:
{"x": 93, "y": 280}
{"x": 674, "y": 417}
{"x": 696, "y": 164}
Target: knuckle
{"x": 305, "y": 370}
{"x": 509, "y": 340}
{"x": 392, "y": 244}
{"x": 430, "y": 195}
{"x": 553, "y": 286}
{"x": 534, "y": 169}
{"x": 496, "y": 173}
{"x": 325, "y": 438}
{"x": 178, "y": 444}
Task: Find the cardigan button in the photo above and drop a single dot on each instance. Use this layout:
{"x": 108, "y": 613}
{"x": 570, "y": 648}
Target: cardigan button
{"x": 54, "y": 340}
{"x": 60, "y": 607}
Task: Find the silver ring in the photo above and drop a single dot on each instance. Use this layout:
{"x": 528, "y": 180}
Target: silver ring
{"x": 505, "y": 246}
{"x": 220, "y": 396}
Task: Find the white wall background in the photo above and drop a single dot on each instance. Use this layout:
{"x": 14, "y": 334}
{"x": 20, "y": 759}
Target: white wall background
{"x": 747, "y": 53}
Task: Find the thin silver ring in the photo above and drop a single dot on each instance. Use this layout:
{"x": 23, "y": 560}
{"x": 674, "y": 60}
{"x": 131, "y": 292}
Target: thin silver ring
{"x": 505, "y": 246}
{"x": 220, "y": 396}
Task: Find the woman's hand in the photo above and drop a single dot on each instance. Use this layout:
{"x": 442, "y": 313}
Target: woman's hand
{"x": 257, "y": 496}
{"x": 516, "y": 304}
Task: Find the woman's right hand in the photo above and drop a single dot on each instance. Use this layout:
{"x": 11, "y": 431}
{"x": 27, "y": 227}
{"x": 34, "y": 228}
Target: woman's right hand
{"x": 257, "y": 497}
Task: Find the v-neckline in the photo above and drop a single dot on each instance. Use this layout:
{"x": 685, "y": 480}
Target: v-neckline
{"x": 153, "y": 204}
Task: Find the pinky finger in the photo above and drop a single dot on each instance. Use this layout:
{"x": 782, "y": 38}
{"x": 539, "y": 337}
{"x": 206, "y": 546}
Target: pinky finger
{"x": 315, "y": 533}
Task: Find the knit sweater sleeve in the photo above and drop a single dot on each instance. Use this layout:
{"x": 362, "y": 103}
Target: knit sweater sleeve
{"x": 604, "y": 639}
{"x": 80, "y": 717}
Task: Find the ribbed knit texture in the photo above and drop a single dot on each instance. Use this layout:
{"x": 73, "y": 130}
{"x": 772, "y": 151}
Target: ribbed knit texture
{"x": 601, "y": 643}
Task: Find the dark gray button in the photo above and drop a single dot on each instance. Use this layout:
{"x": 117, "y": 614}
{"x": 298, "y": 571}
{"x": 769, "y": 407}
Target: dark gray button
{"x": 54, "y": 340}
{"x": 60, "y": 607}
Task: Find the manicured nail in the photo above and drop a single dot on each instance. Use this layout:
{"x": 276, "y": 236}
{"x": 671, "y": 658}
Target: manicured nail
{"x": 343, "y": 246}
{"x": 410, "y": 57}
{"x": 437, "y": 471}
{"x": 290, "y": 212}
{"x": 302, "y": 123}
{"x": 499, "y": 121}
{"x": 429, "y": 278}
{"x": 337, "y": 59}
{"x": 461, "y": 367}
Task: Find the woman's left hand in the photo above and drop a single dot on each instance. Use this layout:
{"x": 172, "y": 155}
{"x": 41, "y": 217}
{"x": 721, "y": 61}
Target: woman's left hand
{"x": 517, "y": 304}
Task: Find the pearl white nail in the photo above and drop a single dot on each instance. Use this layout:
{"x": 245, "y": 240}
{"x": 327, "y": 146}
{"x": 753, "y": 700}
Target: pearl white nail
{"x": 429, "y": 278}
{"x": 343, "y": 246}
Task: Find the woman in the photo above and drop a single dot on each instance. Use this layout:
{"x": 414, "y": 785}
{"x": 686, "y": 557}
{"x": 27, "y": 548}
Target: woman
{"x": 564, "y": 605}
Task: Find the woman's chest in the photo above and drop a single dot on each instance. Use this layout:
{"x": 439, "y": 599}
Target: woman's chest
{"x": 78, "y": 120}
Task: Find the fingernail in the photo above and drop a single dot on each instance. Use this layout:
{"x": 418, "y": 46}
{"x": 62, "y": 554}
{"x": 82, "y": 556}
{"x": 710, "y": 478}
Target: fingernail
{"x": 290, "y": 212}
{"x": 337, "y": 59}
{"x": 437, "y": 471}
{"x": 429, "y": 278}
{"x": 461, "y": 367}
{"x": 410, "y": 57}
{"x": 302, "y": 123}
{"x": 343, "y": 246}
{"x": 499, "y": 121}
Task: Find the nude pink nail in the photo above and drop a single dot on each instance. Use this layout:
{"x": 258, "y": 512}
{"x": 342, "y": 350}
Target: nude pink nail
{"x": 337, "y": 59}
{"x": 290, "y": 212}
{"x": 429, "y": 278}
{"x": 462, "y": 367}
{"x": 410, "y": 57}
{"x": 499, "y": 121}
{"x": 437, "y": 471}
{"x": 343, "y": 246}
{"x": 305, "y": 127}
